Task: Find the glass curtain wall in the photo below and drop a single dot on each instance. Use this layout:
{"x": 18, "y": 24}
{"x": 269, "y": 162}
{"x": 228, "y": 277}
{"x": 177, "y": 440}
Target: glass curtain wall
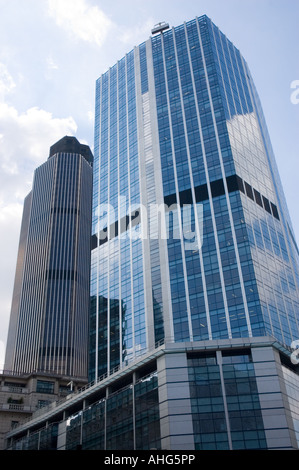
{"x": 179, "y": 123}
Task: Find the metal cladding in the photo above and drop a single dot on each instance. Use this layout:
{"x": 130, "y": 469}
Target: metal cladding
{"x": 49, "y": 317}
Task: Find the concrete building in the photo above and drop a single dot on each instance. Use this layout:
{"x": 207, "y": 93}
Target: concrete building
{"x": 25, "y": 394}
{"x": 210, "y": 395}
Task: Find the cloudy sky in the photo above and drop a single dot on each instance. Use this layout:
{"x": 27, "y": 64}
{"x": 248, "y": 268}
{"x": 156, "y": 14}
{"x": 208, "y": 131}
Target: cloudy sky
{"x": 52, "y": 52}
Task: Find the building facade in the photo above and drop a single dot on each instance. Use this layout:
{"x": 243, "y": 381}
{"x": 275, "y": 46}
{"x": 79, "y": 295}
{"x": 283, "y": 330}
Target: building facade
{"x": 24, "y": 394}
{"x": 210, "y": 395}
{"x": 48, "y": 329}
{"x": 181, "y": 144}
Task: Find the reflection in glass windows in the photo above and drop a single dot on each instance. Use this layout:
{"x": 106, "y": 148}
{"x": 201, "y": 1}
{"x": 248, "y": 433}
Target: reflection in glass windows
{"x": 244, "y": 410}
{"x": 226, "y": 410}
{"x": 128, "y": 418}
{"x": 179, "y": 121}
{"x": 208, "y": 414}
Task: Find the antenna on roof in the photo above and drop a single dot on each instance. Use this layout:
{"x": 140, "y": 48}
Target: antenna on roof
{"x": 158, "y": 28}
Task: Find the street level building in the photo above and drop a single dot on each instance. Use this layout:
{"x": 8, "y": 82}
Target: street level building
{"x": 24, "y": 394}
{"x": 210, "y": 395}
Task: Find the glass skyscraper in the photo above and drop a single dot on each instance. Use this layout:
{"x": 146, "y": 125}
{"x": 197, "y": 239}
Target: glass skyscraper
{"x": 48, "y": 329}
{"x": 194, "y": 264}
{"x": 180, "y": 139}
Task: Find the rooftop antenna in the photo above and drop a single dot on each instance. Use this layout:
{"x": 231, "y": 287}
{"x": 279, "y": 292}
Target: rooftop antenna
{"x": 160, "y": 27}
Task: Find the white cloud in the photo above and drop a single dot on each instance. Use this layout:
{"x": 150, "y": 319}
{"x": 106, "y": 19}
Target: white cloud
{"x": 7, "y": 83}
{"x": 80, "y": 19}
{"x": 26, "y": 137}
{"x": 51, "y": 64}
{"x": 137, "y": 34}
{"x": 12, "y": 211}
{"x": 90, "y": 115}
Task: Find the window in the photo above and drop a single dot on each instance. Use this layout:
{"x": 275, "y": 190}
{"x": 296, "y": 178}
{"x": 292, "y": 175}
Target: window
{"x": 44, "y": 386}
{"x": 43, "y": 403}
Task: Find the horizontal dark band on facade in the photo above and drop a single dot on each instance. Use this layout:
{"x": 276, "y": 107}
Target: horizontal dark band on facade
{"x": 234, "y": 183}
{"x": 61, "y": 274}
{"x": 51, "y": 351}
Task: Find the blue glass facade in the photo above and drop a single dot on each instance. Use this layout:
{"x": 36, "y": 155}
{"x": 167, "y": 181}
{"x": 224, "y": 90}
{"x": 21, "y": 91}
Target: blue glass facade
{"x": 179, "y": 123}
{"x": 116, "y": 277}
{"x": 226, "y": 409}
{"x": 127, "y": 419}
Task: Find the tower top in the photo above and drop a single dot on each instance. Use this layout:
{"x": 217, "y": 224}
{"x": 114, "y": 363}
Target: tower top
{"x": 160, "y": 27}
{"x": 70, "y": 144}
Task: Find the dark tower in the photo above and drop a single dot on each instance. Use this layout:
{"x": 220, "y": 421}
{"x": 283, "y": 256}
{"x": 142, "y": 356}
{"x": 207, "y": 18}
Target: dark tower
{"x": 48, "y": 328}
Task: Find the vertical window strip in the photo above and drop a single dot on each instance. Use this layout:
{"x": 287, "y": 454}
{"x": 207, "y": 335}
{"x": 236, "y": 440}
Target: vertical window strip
{"x": 198, "y": 235}
{"x": 128, "y": 82}
{"x": 176, "y": 182}
{"x": 19, "y": 287}
{"x": 56, "y": 256}
{"x": 229, "y": 209}
{"x": 26, "y": 330}
{"x": 164, "y": 317}
{"x": 202, "y": 268}
{"x": 76, "y": 266}
{"x": 242, "y": 73}
{"x": 233, "y": 80}
{"x": 207, "y": 174}
{"x": 108, "y": 245}
{"x": 229, "y": 84}
{"x": 59, "y": 260}
{"x": 99, "y": 156}
{"x": 48, "y": 295}
{"x": 143, "y": 68}
{"x": 234, "y": 56}
{"x": 64, "y": 254}
{"x": 122, "y": 248}
{"x": 209, "y": 190}
{"x": 132, "y": 162}
{"x": 113, "y": 201}
{"x": 119, "y": 217}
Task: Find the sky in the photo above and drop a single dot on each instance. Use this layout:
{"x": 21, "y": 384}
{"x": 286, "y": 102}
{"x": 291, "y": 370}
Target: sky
{"x": 53, "y": 51}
